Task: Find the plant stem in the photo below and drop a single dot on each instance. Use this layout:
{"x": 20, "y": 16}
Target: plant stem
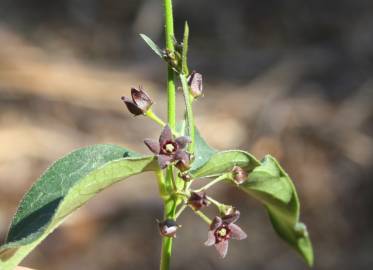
{"x": 203, "y": 216}
{"x": 161, "y": 184}
{"x": 171, "y": 90}
{"x": 180, "y": 211}
{"x": 171, "y": 203}
{"x": 155, "y": 118}
{"x": 189, "y": 111}
{"x": 169, "y": 213}
{"x": 213, "y": 182}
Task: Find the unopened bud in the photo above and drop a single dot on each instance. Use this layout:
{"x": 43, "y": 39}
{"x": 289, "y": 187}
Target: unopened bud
{"x": 171, "y": 58}
{"x": 185, "y": 176}
{"x": 195, "y": 83}
{"x": 168, "y": 228}
{"x": 239, "y": 175}
{"x": 198, "y": 200}
{"x": 231, "y": 215}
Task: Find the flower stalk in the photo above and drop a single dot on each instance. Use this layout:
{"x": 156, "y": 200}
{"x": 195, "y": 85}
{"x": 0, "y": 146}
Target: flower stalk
{"x": 171, "y": 204}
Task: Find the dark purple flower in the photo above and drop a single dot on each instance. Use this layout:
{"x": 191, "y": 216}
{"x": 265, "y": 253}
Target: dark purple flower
{"x": 140, "y": 103}
{"x": 169, "y": 150}
{"x": 239, "y": 175}
{"x": 168, "y": 228}
{"x": 222, "y": 229}
{"x": 198, "y": 200}
{"x": 195, "y": 83}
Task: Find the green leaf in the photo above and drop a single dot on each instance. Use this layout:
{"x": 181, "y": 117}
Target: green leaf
{"x": 202, "y": 151}
{"x": 64, "y": 187}
{"x": 152, "y": 45}
{"x": 222, "y": 162}
{"x": 270, "y": 184}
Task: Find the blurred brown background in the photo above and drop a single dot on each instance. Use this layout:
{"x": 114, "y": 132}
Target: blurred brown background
{"x": 292, "y": 78}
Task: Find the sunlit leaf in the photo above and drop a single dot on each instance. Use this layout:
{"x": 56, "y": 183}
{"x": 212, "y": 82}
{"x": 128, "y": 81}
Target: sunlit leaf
{"x": 152, "y": 45}
{"x": 270, "y": 184}
{"x": 64, "y": 187}
{"x": 224, "y": 161}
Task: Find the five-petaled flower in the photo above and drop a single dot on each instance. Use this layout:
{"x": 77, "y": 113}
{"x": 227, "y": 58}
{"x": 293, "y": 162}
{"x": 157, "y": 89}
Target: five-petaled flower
{"x": 140, "y": 103}
{"x": 169, "y": 150}
{"x": 221, "y": 230}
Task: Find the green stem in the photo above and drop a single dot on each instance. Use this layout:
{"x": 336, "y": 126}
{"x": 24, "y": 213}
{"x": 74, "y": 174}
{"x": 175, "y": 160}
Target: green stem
{"x": 189, "y": 111}
{"x": 213, "y": 182}
{"x": 151, "y": 115}
{"x": 161, "y": 184}
{"x": 169, "y": 213}
{"x": 170, "y": 204}
{"x": 203, "y": 216}
{"x": 180, "y": 211}
{"x": 171, "y": 89}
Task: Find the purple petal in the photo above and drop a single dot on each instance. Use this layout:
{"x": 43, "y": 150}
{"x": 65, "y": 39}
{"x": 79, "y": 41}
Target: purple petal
{"x": 132, "y": 107}
{"x": 182, "y": 141}
{"x": 222, "y": 248}
{"x": 164, "y": 161}
{"x": 232, "y": 217}
{"x": 216, "y": 222}
{"x": 141, "y": 98}
{"x": 166, "y": 135}
{"x": 182, "y": 155}
{"x": 153, "y": 145}
{"x": 237, "y": 232}
{"x": 210, "y": 239}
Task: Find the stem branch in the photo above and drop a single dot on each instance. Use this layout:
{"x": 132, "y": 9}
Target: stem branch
{"x": 213, "y": 182}
{"x": 155, "y": 118}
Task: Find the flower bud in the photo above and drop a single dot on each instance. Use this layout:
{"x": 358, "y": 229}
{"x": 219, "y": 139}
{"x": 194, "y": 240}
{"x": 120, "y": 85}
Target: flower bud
{"x": 140, "y": 103}
{"x": 183, "y": 161}
{"x": 185, "y": 176}
{"x": 168, "y": 228}
{"x": 171, "y": 58}
{"x": 231, "y": 215}
{"x": 195, "y": 83}
{"x": 198, "y": 200}
{"x": 239, "y": 175}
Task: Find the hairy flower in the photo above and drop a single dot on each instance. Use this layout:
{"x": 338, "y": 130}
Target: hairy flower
{"x": 195, "y": 83}
{"x": 168, "y": 228}
{"x": 140, "y": 103}
{"x": 222, "y": 229}
{"x": 198, "y": 200}
{"x": 169, "y": 150}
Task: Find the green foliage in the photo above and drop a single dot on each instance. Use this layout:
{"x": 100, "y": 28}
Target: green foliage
{"x": 152, "y": 45}
{"x": 64, "y": 187}
{"x": 221, "y": 162}
{"x": 271, "y": 185}
{"x": 203, "y": 151}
